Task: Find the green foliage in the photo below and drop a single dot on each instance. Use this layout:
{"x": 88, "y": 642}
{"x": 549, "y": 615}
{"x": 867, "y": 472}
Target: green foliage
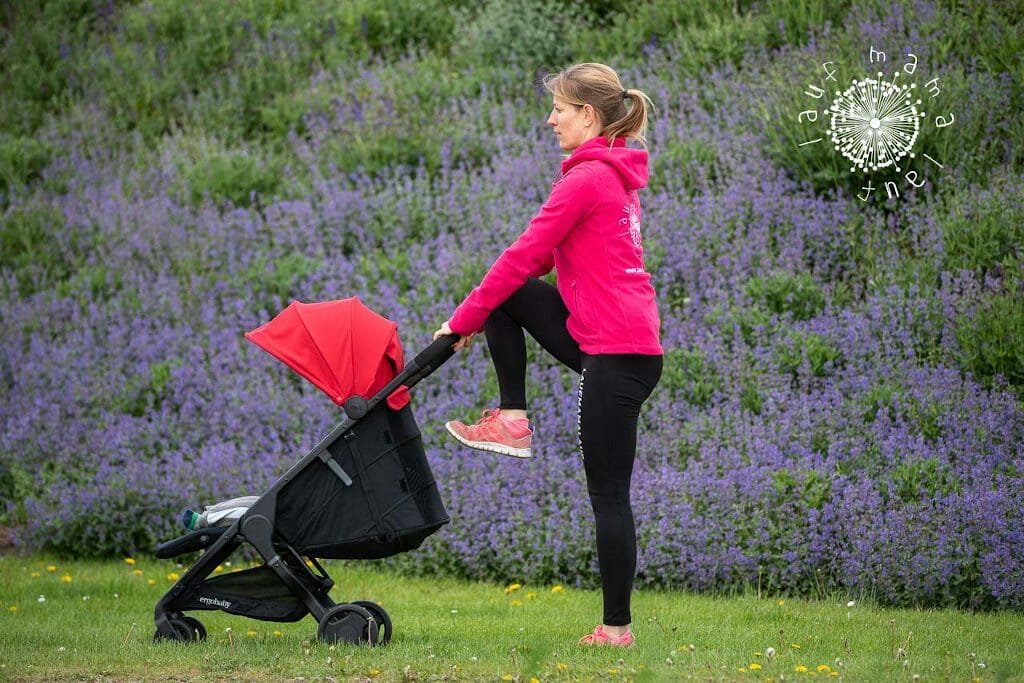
{"x": 705, "y": 33}
{"x": 811, "y": 487}
{"x": 234, "y": 177}
{"x": 673, "y": 162}
{"x": 992, "y": 340}
{"x": 919, "y": 480}
{"x": 820, "y": 354}
{"x": 689, "y": 375}
{"x": 984, "y": 232}
{"x": 784, "y": 292}
{"x": 29, "y": 247}
{"x": 273, "y": 283}
{"x": 751, "y": 399}
{"x": 22, "y": 160}
{"x": 145, "y": 393}
{"x": 531, "y": 33}
{"x": 883, "y": 395}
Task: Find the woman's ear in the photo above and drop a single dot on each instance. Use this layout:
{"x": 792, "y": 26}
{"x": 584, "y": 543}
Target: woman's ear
{"x": 589, "y": 115}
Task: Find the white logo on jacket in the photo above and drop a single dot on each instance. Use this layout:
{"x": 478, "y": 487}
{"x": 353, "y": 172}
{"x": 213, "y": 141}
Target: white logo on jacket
{"x": 632, "y": 219}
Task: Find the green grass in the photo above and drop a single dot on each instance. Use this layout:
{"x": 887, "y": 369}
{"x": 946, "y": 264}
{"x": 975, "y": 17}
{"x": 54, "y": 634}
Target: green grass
{"x": 98, "y": 625}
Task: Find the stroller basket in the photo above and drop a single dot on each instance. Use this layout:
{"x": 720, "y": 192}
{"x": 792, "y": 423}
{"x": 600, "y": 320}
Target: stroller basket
{"x": 365, "y": 491}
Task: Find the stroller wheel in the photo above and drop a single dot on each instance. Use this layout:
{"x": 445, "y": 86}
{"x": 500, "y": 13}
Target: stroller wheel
{"x": 184, "y": 632}
{"x": 347, "y": 623}
{"x": 195, "y": 627}
{"x": 381, "y": 616}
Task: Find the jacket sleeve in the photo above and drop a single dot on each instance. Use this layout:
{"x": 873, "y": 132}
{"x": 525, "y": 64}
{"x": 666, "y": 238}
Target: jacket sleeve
{"x": 531, "y": 255}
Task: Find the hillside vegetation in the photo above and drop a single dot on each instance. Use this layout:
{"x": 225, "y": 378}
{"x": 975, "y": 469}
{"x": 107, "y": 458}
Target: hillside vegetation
{"x": 841, "y": 405}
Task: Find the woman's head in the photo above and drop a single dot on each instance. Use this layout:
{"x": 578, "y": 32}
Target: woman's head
{"x": 589, "y": 101}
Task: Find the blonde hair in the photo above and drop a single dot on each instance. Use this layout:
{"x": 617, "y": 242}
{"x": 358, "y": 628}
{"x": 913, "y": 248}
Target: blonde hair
{"x": 599, "y": 86}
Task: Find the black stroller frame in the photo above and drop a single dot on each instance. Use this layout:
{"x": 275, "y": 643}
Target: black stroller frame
{"x": 375, "y": 453}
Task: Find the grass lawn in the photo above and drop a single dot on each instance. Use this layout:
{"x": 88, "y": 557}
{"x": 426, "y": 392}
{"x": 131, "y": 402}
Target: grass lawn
{"x": 80, "y": 620}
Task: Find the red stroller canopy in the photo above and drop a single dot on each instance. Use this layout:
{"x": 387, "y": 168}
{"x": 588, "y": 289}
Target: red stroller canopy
{"x": 341, "y": 347}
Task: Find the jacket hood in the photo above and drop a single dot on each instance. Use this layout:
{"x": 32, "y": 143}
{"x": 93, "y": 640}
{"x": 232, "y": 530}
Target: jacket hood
{"x": 631, "y": 164}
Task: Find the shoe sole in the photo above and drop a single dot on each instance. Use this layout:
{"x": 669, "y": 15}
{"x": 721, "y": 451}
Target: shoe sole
{"x": 490, "y": 446}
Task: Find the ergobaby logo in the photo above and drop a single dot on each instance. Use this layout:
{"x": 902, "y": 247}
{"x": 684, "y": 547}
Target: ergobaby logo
{"x": 876, "y": 123}
{"x": 216, "y": 602}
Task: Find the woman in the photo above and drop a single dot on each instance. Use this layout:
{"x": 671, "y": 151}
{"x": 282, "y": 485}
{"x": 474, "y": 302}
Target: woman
{"x": 601, "y": 321}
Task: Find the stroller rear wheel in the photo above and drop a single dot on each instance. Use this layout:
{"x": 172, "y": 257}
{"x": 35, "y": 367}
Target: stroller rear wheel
{"x": 195, "y": 627}
{"x": 346, "y": 623}
{"x": 186, "y": 630}
{"x": 383, "y": 620}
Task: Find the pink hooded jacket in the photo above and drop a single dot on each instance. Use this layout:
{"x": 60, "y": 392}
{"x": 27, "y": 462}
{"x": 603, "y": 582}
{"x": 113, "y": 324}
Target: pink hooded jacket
{"x": 589, "y": 230}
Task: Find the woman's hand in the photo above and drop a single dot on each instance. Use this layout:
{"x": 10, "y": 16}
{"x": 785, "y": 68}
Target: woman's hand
{"x": 462, "y": 343}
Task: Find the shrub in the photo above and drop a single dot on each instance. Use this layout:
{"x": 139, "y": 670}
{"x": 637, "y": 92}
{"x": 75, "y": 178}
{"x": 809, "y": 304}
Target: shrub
{"x": 783, "y": 292}
{"x": 234, "y": 177}
{"x": 983, "y": 230}
{"x": 29, "y": 248}
{"x": 992, "y": 341}
{"x": 689, "y": 376}
{"x": 531, "y": 33}
{"x": 22, "y": 160}
{"x": 820, "y": 355}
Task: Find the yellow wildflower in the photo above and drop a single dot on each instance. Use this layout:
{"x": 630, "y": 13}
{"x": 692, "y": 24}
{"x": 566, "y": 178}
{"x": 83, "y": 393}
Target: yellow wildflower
{"x": 562, "y": 667}
{"x": 833, "y": 673}
{"x": 742, "y": 670}
{"x": 35, "y": 575}
{"x": 613, "y": 672}
{"x": 13, "y": 609}
{"x": 824, "y": 668}
{"x": 129, "y": 561}
{"x": 66, "y": 578}
{"x": 534, "y": 680}
{"x": 51, "y": 568}
{"x": 219, "y": 569}
{"x": 516, "y": 603}
{"x": 754, "y": 666}
{"x": 800, "y": 669}
{"x": 781, "y": 603}
{"x": 374, "y": 672}
{"x": 759, "y": 654}
{"x": 251, "y": 633}
{"x": 507, "y": 677}
{"x": 173, "y": 576}
{"x": 137, "y": 572}
{"x": 151, "y": 582}
{"x": 795, "y": 646}
{"x": 531, "y": 596}
{"x": 512, "y": 588}
{"x": 278, "y": 634}
{"x": 557, "y": 589}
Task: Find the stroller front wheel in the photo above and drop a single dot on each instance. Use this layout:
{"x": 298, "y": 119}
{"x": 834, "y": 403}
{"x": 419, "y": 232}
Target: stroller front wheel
{"x": 347, "y": 623}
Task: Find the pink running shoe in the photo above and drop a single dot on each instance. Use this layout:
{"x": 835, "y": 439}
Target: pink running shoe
{"x": 495, "y": 433}
{"x": 599, "y": 637}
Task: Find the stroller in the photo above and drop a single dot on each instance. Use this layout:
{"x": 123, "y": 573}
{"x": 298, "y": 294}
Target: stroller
{"x": 364, "y": 491}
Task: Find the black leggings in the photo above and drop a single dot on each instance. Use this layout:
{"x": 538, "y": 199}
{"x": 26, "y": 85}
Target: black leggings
{"x": 612, "y": 388}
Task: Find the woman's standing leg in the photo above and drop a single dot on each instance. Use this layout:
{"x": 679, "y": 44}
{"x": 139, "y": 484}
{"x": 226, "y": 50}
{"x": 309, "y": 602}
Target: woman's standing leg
{"x": 612, "y": 390}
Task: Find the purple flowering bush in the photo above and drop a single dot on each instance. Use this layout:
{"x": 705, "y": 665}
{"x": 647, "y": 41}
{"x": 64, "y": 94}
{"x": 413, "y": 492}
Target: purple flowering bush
{"x": 841, "y": 404}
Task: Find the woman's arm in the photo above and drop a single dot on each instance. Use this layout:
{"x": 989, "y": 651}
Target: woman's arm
{"x": 569, "y": 202}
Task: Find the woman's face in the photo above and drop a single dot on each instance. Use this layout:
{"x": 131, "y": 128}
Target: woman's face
{"x": 573, "y": 124}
